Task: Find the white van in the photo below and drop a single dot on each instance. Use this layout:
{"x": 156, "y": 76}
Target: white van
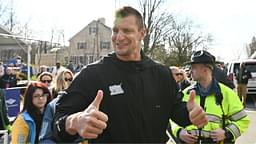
{"x": 250, "y": 64}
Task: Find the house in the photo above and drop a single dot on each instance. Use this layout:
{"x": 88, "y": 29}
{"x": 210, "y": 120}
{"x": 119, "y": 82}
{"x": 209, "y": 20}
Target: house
{"x": 47, "y": 53}
{"x": 91, "y": 43}
{"x": 11, "y": 46}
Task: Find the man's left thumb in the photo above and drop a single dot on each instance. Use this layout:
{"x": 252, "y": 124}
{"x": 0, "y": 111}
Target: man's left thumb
{"x": 191, "y": 101}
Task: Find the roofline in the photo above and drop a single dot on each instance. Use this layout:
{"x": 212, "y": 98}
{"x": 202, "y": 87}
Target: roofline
{"x": 7, "y": 31}
{"x": 11, "y": 34}
{"x": 88, "y": 25}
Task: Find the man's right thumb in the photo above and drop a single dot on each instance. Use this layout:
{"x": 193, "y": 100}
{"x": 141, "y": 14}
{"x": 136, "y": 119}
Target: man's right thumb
{"x": 98, "y": 99}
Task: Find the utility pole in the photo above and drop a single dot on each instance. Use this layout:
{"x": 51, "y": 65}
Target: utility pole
{"x": 95, "y": 42}
{"x": 28, "y": 42}
{"x": 28, "y": 49}
{"x": 29, "y": 60}
{"x": 97, "y": 39}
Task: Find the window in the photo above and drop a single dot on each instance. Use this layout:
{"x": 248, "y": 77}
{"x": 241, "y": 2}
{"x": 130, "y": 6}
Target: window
{"x": 92, "y": 30}
{"x": 81, "y": 45}
{"x": 105, "y": 45}
{"x": 90, "y": 58}
{"x": 81, "y": 59}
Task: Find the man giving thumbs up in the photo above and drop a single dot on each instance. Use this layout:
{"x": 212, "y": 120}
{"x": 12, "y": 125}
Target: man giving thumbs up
{"x": 196, "y": 114}
{"x": 89, "y": 123}
{"x": 140, "y": 95}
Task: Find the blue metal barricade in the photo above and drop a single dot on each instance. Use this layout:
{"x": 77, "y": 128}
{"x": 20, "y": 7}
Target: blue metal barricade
{"x": 12, "y": 99}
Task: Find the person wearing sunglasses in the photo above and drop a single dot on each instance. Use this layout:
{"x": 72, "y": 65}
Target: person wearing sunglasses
{"x": 27, "y": 125}
{"x": 225, "y": 112}
{"x": 46, "y": 77}
{"x": 176, "y": 73}
{"x": 184, "y": 81}
{"x": 63, "y": 80}
{"x": 180, "y": 77}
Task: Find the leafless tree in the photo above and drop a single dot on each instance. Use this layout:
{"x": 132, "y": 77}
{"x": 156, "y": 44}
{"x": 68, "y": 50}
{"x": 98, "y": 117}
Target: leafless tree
{"x": 3, "y": 9}
{"x": 157, "y": 23}
{"x": 162, "y": 27}
{"x": 184, "y": 40}
{"x": 10, "y": 21}
{"x": 8, "y": 15}
{"x": 251, "y": 47}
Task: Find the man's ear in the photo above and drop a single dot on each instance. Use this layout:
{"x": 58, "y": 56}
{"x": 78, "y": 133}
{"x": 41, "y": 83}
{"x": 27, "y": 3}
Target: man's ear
{"x": 143, "y": 33}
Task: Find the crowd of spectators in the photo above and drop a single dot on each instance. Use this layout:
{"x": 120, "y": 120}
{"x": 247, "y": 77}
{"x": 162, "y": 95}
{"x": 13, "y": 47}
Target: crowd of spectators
{"x": 47, "y": 80}
{"x": 42, "y": 93}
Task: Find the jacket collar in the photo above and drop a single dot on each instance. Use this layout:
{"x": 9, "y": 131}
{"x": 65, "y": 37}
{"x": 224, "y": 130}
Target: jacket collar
{"x": 215, "y": 90}
{"x": 131, "y": 66}
{"x": 212, "y": 90}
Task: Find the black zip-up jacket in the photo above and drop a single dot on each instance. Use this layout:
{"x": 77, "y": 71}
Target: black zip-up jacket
{"x": 222, "y": 77}
{"x": 4, "y": 121}
{"x": 139, "y": 98}
{"x": 8, "y": 81}
{"x": 243, "y": 76}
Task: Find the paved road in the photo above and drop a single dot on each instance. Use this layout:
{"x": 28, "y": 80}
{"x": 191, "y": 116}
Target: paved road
{"x": 249, "y": 137}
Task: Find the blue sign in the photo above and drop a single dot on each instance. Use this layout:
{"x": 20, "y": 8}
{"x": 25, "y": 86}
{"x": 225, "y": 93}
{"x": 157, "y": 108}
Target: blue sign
{"x": 12, "y": 99}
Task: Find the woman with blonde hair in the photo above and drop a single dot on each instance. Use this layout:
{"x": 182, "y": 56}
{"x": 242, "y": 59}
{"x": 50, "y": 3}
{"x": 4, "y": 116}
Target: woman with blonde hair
{"x": 62, "y": 81}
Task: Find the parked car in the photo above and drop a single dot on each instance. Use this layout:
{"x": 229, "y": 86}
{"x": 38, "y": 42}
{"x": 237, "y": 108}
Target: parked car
{"x": 250, "y": 64}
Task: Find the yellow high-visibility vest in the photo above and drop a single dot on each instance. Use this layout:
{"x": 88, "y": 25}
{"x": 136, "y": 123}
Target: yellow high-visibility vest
{"x": 236, "y": 119}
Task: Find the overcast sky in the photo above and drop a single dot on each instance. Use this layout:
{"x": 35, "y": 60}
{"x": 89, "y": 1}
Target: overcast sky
{"x": 231, "y": 22}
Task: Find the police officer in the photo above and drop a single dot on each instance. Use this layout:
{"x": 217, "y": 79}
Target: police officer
{"x": 227, "y": 118}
